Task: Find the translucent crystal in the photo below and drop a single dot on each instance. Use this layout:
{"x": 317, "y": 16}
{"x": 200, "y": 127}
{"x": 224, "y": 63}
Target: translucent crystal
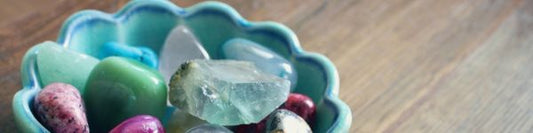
{"x": 265, "y": 59}
{"x": 227, "y": 92}
{"x": 180, "y": 46}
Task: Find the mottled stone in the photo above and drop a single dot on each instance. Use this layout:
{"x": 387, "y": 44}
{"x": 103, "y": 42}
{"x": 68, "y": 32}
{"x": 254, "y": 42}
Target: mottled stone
{"x": 285, "y": 121}
{"x": 226, "y": 92}
{"x": 264, "y": 58}
{"x": 60, "y": 108}
{"x": 209, "y": 128}
{"x": 58, "y": 64}
{"x": 139, "y": 124}
{"x": 119, "y": 88}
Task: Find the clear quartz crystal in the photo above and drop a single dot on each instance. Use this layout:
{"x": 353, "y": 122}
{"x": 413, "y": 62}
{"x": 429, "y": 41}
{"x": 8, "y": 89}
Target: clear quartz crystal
{"x": 264, "y": 58}
{"x": 227, "y": 92}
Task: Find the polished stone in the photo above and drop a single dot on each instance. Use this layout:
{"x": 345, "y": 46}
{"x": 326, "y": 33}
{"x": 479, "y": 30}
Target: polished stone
{"x": 58, "y": 64}
{"x": 59, "y": 108}
{"x": 227, "y": 92}
{"x": 285, "y": 121}
{"x": 139, "y": 124}
{"x": 119, "y": 88}
{"x": 138, "y": 53}
{"x": 264, "y": 59}
{"x": 182, "y": 121}
{"x": 209, "y": 128}
{"x": 301, "y": 105}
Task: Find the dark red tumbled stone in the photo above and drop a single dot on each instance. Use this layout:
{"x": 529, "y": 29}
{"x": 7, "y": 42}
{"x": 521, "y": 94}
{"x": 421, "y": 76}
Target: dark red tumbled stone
{"x": 301, "y": 105}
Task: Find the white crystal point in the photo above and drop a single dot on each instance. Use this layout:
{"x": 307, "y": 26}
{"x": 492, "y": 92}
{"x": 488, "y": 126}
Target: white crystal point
{"x": 180, "y": 46}
{"x": 226, "y": 92}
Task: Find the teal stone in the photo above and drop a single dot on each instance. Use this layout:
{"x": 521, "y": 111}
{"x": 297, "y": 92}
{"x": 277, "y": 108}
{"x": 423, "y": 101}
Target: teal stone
{"x": 138, "y": 53}
{"x": 58, "y": 64}
{"x": 264, "y": 59}
{"x": 119, "y": 88}
{"x": 226, "y": 92}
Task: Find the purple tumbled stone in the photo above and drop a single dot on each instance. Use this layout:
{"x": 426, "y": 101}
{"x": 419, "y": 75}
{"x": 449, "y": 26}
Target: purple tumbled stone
{"x": 139, "y": 124}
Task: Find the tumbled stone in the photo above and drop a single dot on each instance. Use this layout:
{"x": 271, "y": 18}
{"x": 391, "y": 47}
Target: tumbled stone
{"x": 181, "y": 121}
{"x": 138, "y": 53}
{"x": 60, "y": 109}
{"x": 226, "y": 92}
{"x": 251, "y": 128}
{"x": 301, "y": 105}
{"x": 264, "y": 59}
{"x": 285, "y": 121}
{"x": 209, "y": 128}
{"x": 58, "y": 64}
{"x": 139, "y": 124}
{"x": 119, "y": 88}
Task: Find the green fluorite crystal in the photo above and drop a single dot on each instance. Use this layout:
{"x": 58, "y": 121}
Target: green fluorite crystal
{"x": 226, "y": 92}
{"x": 58, "y": 64}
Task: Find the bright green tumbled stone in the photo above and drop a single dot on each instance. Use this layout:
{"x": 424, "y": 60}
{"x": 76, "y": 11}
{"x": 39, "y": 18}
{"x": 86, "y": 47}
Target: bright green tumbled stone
{"x": 226, "y": 92}
{"x": 58, "y": 64}
{"x": 120, "y": 88}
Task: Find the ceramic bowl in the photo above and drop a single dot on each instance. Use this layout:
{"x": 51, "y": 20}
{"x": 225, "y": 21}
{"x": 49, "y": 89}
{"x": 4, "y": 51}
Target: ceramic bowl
{"x": 147, "y": 23}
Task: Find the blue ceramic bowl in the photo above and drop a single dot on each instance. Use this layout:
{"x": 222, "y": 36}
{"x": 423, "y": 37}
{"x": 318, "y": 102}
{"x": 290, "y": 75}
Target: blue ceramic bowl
{"x": 147, "y": 23}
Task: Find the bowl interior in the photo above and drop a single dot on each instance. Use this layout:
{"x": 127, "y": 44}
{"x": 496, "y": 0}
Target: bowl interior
{"x": 143, "y": 23}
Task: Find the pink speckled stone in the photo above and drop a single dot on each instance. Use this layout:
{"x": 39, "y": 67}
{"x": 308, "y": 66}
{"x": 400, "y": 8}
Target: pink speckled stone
{"x": 60, "y": 108}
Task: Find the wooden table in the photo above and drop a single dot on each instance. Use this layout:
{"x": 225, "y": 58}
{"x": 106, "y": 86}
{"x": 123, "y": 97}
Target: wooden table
{"x": 405, "y": 65}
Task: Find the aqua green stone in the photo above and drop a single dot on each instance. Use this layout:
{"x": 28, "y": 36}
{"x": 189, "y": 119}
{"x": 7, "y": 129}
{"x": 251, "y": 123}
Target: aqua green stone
{"x": 119, "y": 88}
{"x": 226, "y": 92}
{"x": 58, "y": 64}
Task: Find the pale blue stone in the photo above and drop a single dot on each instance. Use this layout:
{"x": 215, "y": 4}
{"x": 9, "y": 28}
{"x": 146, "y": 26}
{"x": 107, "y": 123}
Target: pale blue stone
{"x": 209, "y": 128}
{"x": 226, "y": 92}
{"x": 264, "y": 59}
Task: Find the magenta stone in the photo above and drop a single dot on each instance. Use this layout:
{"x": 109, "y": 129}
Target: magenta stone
{"x": 139, "y": 124}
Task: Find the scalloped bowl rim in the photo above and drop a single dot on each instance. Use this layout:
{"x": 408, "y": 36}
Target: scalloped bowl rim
{"x": 342, "y": 120}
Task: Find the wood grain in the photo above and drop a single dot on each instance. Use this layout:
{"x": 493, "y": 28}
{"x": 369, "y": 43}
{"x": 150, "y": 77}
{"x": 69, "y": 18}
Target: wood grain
{"x": 405, "y": 65}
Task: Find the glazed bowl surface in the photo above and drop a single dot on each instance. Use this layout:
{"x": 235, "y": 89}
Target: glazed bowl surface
{"x": 147, "y": 23}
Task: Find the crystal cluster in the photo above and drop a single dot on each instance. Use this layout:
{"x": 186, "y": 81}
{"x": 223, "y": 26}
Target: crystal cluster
{"x": 226, "y": 92}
